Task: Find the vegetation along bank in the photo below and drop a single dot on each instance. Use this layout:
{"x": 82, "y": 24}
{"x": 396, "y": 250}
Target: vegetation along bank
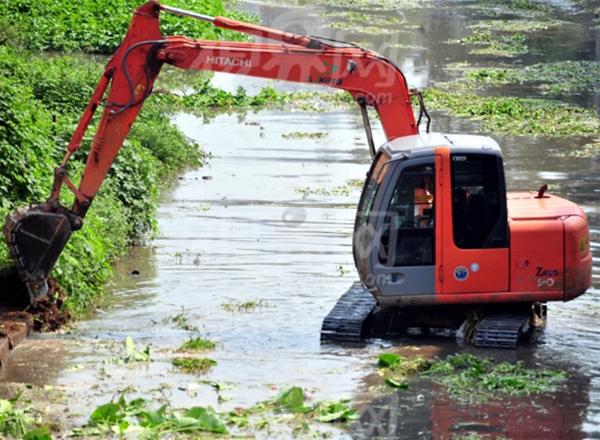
{"x": 47, "y": 74}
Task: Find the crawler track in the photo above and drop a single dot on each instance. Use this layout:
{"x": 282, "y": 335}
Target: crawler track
{"x": 501, "y": 330}
{"x": 345, "y": 321}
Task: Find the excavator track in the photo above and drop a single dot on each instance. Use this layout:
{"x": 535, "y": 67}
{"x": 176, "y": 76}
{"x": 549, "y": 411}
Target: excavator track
{"x": 345, "y": 321}
{"x": 501, "y": 330}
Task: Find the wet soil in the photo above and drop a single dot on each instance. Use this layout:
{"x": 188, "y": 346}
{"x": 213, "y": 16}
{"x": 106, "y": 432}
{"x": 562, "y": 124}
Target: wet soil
{"x": 46, "y": 315}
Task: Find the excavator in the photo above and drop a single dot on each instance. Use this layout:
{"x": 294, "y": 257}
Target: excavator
{"x": 436, "y": 233}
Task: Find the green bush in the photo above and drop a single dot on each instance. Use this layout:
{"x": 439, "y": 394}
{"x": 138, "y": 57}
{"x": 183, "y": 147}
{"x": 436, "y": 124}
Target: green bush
{"x": 42, "y": 97}
{"x": 41, "y": 101}
{"x": 154, "y": 131}
{"x": 25, "y": 146}
{"x": 99, "y": 26}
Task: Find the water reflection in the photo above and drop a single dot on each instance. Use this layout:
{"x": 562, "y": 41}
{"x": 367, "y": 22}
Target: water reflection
{"x": 431, "y": 413}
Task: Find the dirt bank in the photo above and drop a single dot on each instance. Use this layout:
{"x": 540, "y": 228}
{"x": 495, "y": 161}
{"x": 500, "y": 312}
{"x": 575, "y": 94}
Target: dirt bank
{"x": 46, "y": 315}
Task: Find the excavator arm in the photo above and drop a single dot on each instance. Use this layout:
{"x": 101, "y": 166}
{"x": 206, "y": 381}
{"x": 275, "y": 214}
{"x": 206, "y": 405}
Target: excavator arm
{"x": 36, "y": 235}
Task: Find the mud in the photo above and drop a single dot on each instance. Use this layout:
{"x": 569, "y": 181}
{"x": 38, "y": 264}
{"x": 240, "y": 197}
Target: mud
{"x": 46, "y": 315}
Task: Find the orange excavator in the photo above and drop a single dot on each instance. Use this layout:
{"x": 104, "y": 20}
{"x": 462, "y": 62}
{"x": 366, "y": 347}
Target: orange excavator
{"x": 435, "y": 225}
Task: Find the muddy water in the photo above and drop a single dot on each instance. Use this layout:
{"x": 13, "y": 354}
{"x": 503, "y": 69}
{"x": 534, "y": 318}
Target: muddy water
{"x": 238, "y": 232}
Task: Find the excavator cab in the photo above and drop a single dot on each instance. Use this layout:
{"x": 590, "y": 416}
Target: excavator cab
{"x": 431, "y": 201}
{"x": 435, "y": 225}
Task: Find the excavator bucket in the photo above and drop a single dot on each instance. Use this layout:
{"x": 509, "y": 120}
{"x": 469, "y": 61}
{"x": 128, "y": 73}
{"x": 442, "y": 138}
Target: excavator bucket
{"x": 36, "y": 236}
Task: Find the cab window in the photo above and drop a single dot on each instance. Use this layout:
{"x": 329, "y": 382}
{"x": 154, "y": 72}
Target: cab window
{"x": 477, "y": 201}
{"x": 408, "y": 230}
{"x": 363, "y": 229}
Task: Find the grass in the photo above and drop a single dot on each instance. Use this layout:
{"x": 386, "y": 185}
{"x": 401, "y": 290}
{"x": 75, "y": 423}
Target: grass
{"x": 244, "y": 306}
{"x": 587, "y": 150}
{"x": 14, "y": 422}
{"x": 362, "y": 21}
{"x": 205, "y": 95}
{"x": 182, "y": 321}
{"x": 470, "y": 377}
{"x": 504, "y": 37}
{"x": 524, "y": 5}
{"x": 466, "y": 376}
{"x": 523, "y": 25}
{"x": 404, "y": 46}
{"x": 522, "y": 8}
{"x": 23, "y": 422}
{"x": 371, "y": 5}
{"x": 288, "y": 410}
{"x": 561, "y": 78}
{"x": 303, "y": 135}
{"x": 193, "y": 364}
{"x": 41, "y": 100}
{"x": 500, "y": 45}
{"x": 341, "y": 190}
{"x": 502, "y": 115}
{"x": 135, "y": 419}
{"x": 197, "y": 344}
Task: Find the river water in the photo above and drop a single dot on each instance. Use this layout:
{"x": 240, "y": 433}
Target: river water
{"x": 238, "y": 232}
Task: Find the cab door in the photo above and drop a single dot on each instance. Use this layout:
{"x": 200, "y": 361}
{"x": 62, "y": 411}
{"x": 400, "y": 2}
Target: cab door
{"x": 402, "y": 224}
{"x": 475, "y": 240}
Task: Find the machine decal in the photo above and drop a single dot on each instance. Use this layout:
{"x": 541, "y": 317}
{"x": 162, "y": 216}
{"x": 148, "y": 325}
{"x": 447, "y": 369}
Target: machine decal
{"x": 140, "y": 89}
{"x": 319, "y": 78}
{"x": 224, "y": 61}
{"x": 461, "y": 273}
{"x": 332, "y": 68}
{"x": 584, "y": 243}
{"x": 542, "y": 282}
{"x": 474, "y": 267}
{"x": 541, "y": 272}
{"x": 546, "y": 281}
{"x": 322, "y": 80}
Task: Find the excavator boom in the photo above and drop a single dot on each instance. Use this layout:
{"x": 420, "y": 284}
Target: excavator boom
{"x": 36, "y": 235}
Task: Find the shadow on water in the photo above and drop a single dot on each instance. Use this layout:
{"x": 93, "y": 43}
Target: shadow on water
{"x": 227, "y": 240}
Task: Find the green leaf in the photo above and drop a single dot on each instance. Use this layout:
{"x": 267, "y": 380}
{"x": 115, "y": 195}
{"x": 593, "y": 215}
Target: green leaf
{"x": 388, "y": 359}
{"x": 152, "y": 419}
{"x": 5, "y": 406}
{"x": 17, "y": 396}
{"x": 38, "y": 434}
{"x": 75, "y": 367}
{"x": 130, "y": 346}
{"x": 334, "y": 411}
{"x": 395, "y": 384}
{"x": 292, "y": 399}
{"x": 208, "y": 419}
{"x": 133, "y": 355}
{"x": 184, "y": 423}
{"x": 123, "y": 426}
{"x": 106, "y": 414}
